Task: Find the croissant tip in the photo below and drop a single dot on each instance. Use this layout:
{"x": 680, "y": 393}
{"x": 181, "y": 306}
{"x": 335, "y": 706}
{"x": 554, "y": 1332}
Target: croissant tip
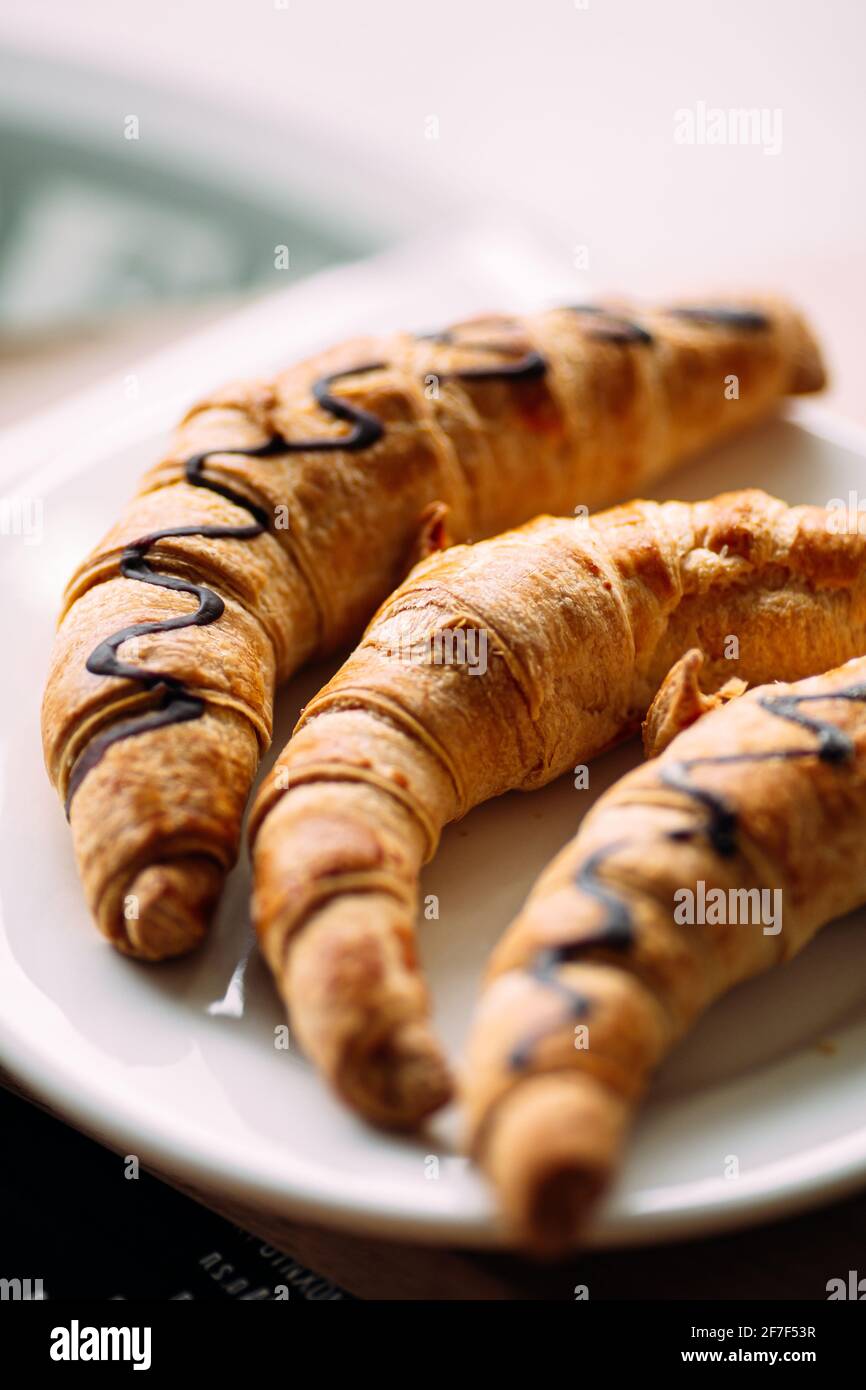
{"x": 810, "y": 376}
{"x": 550, "y": 1152}
{"x": 809, "y": 371}
{"x": 401, "y": 1080}
{"x": 167, "y": 908}
{"x": 555, "y": 1218}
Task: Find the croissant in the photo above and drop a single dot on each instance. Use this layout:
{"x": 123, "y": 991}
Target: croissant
{"x": 700, "y": 869}
{"x": 496, "y": 667}
{"x": 285, "y": 511}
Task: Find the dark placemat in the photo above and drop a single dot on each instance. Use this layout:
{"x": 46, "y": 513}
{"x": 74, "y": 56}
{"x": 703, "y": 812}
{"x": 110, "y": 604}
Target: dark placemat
{"x": 73, "y": 1219}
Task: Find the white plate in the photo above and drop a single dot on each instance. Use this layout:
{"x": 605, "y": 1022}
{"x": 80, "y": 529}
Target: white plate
{"x": 177, "y": 1063}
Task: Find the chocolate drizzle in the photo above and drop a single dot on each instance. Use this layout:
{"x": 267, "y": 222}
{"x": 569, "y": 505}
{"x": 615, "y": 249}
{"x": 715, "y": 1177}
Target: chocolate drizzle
{"x": 612, "y": 327}
{"x": 833, "y": 747}
{"x": 576, "y": 1006}
{"x": 527, "y": 365}
{"x": 367, "y": 429}
{"x": 720, "y": 316}
{"x": 176, "y": 704}
{"x": 616, "y": 932}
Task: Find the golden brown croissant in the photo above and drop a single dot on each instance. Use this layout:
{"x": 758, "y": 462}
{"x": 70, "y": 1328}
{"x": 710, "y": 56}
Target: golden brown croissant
{"x": 698, "y": 870}
{"x": 577, "y": 625}
{"x": 287, "y": 510}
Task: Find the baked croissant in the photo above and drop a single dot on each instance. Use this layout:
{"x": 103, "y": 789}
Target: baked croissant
{"x": 759, "y": 812}
{"x": 285, "y": 511}
{"x": 577, "y": 624}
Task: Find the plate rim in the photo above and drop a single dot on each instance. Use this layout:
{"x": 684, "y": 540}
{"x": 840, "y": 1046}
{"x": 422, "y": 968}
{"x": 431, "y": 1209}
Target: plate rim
{"x": 703, "y": 1207}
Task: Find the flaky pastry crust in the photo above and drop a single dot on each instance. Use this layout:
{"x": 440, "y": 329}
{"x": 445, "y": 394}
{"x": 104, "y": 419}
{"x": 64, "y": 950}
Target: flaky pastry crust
{"x": 288, "y": 509}
{"x": 581, "y": 623}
